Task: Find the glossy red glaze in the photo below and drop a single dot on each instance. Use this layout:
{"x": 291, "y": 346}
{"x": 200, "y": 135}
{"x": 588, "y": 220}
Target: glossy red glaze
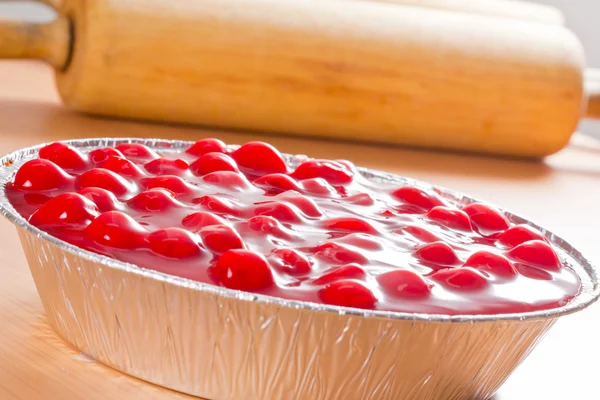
{"x": 320, "y": 233}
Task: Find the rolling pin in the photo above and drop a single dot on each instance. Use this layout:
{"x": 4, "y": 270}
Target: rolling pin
{"x": 361, "y": 70}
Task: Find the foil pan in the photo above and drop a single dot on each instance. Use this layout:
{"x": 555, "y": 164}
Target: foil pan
{"x": 218, "y": 343}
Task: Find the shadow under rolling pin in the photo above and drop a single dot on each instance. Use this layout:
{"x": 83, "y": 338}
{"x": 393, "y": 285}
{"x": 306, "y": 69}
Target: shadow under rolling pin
{"x": 379, "y": 71}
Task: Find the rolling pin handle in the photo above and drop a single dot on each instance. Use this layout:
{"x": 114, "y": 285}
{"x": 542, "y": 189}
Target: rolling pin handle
{"x": 49, "y": 41}
{"x": 592, "y": 88}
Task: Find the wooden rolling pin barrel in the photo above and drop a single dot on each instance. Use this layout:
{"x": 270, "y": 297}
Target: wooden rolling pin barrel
{"x": 497, "y": 77}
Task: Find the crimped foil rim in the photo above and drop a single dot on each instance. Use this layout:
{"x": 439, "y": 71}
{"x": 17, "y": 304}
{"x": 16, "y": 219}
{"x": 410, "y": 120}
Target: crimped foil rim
{"x": 589, "y": 294}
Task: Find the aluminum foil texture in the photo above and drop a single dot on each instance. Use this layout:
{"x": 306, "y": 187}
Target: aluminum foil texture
{"x": 217, "y": 343}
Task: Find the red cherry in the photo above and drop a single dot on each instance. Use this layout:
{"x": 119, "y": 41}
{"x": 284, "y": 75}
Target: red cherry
{"x": 291, "y": 262}
{"x": 204, "y": 146}
{"x": 137, "y": 152}
{"x": 453, "y": 219}
{"x": 304, "y": 204}
{"x": 200, "y": 219}
{"x": 69, "y": 209}
{"x": 104, "y": 179}
{"x": 280, "y": 182}
{"x": 269, "y": 226}
{"x": 461, "y": 278}
{"x": 487, "y": 220}
{"x": 228, "y": 180}
{"x": 170, "y": 182}
{"x": 261, "y": 158}
{"x": 243, "y": 270}
{"x": 362, "y": 241}
{"x": 116, "y": 229}
{"x": 404, "y": 283}
{"x": 279, "y": 210}
{"x": 104, "y": 200}
{"x": 220, "y": 238}
{"x": 333, "y": 172}
{"x": 121, "y": 166}
{"x": 348, "y": 271}
{"x": 438, "y": 253}
{"x": 418, "y": 233}
{"x": 348, "y": 293}
{"x": 537, "y": 253}
{"x": 317, "y": 186}
{"x": 102, "y": 154}
{"x": 494, "y": 263}
{"x": 40, "y": 174}
{"x": 165, "y": 166}
{"x": 35, "y": 199}
{"x": 174, "y": 243}
{"x": 418, "y": 197}
{"x": 219, "y": 205}
{"x": 154, "y": 200}
{"x": 211, "y": 162}
{"x": 360, "y": 199}
{"x": 65, "y": 156}
{"x": 518, "y": 234}
{"x": 531, "y": 272}
{"x": 349, "y": 224}
{"x": 339, "y": 254}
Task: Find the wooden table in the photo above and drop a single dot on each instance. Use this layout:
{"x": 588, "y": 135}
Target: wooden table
{"x": 561, "y": 193}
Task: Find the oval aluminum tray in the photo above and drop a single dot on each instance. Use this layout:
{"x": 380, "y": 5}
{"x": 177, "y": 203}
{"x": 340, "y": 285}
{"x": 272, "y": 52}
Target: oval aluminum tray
{"x": 219, "y": 343}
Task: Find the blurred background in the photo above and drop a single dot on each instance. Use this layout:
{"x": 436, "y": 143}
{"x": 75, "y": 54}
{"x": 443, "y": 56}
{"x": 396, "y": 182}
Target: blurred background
{"x": 581, "y": 17}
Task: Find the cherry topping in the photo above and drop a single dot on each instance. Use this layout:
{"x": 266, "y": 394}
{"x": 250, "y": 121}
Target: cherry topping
{"x": 494, "y": 263}
{"x": 261, "y": 158}
{"x": 35, "y": 199}
{"x": 348, "y": 271}
{"x": 280, "y": 182}
{"x": 154, "y": 200}
{"x": 65, "y": 209}
{"x": 279, "y": 210}
{"x": 65, "y": 156}
{"x": 317, "y": 186}
{"x": 333, "y": 172}
{"x": 137, "y": 151}
{"x": 360, "y": 199}
{"x": 121, "y": 166}
{"x": 219, "y": 205}
{"x": 453, "y": 219}
{"x": 104, "y": 179}
{"x": 170, "y": 182}
{"x": 99, "y": 155}
{"x": 243, "y": 270}
{"x": 339, "y": 253}
{"x": 419, "y": 233}
{"x": 465, "y": 278}
{"x": 537, "y": 253}
{"x": 488, "y": 220}
{"x": 362, "y": 241}
{"x": 40, "y": 174}
{"x": 204, "y": 146}
{"x": 350, "y": 224}
{"x": 306, "y": 205}
{"x": 518, "y": 234}
{"x": 438, "y": 253}
{"x": 211, "y": 162}
{"x": 418, "y": 197}
{"x": 227, "y": 179}
{"x": 348, "y": 293}
{"x": 165, "y": 166}
{"x": 268, "y": 225}
{"x": 116, "y": 229}
{"x": 104, "y": 200}
{"x": 404, "y": 283}
{"x": 174, "y": 243}
{"x": 292, "y": 262}
{"x": 220, "y": 238}
{"x": 200, "y": 219}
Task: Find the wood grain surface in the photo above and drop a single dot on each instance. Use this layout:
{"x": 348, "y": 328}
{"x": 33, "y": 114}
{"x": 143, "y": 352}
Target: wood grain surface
{"x": 561, "y": 193}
